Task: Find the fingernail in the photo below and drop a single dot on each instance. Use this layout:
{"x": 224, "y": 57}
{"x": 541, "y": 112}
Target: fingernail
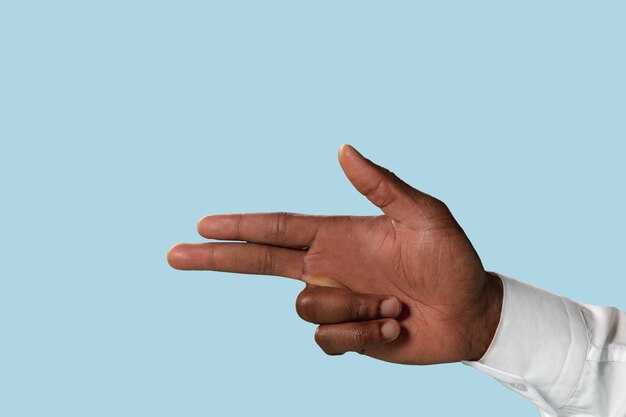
{"x": 347, "y": 148}
{"x": 388, "y": 330}
{"x": 389, "y": 307}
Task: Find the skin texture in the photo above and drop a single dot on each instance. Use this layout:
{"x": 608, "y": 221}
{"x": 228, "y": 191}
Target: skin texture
{"x": 442, "y": 305}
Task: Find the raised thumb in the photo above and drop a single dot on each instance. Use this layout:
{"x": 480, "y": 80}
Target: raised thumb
{"x": 382, "y": 187}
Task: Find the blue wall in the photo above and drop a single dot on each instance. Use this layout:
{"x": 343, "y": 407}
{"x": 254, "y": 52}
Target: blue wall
{"x": 123, "y": 122}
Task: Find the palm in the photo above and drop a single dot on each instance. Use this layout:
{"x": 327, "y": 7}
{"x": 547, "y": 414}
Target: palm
{"x": 433, "y": 269}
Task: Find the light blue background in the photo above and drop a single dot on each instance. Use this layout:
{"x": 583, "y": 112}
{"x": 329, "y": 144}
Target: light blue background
{"x": 123, "y": 122}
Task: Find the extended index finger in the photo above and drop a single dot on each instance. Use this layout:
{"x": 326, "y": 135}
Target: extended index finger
{"x": 280, "y": 228}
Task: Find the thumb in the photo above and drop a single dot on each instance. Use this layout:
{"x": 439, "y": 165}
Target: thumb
{"x": 382, "y": 187}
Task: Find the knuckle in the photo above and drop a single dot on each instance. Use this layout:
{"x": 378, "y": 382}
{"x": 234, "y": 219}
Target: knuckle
{"x": 240, "y": 220}
{"x": 265, "y": 261}
{"x": 440, "y": 205}
{"x": 357, "y": 308}
{"x": 213, "y": 258}
{"x": 440, "y": 210}
{"x": 361, "y": 337}
{"x": 430, "y": 206}
{"x": 381, "y": 194}
{"x": 280, "y": 227}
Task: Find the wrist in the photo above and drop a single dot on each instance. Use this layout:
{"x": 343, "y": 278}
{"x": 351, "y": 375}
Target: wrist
{"x": 487, "y": 319}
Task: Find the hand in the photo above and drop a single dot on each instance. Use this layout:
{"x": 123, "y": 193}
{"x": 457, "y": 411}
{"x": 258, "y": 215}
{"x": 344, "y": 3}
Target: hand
{"x": 444, "y": 306}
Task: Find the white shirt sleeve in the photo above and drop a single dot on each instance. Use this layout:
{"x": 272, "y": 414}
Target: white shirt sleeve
{"x": 567, "y": 358}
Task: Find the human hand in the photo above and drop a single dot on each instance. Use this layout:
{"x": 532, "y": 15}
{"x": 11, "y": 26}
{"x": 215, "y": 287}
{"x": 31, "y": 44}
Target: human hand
{"x": 444, "y": 307}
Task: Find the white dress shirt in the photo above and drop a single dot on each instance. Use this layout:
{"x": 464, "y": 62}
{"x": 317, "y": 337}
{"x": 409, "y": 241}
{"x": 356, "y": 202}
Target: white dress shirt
{"x": 566, "y": 357}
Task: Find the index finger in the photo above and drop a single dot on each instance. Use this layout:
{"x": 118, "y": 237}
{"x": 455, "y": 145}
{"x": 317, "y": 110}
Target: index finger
{"x": 280, "y": 228}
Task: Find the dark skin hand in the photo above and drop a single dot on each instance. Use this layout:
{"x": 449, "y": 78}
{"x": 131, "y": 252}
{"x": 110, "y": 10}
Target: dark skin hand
{"x": 406, "y": 286}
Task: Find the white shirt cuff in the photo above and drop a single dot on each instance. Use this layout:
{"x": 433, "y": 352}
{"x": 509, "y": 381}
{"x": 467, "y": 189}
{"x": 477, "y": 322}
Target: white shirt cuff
{"x": 540, "y": 345}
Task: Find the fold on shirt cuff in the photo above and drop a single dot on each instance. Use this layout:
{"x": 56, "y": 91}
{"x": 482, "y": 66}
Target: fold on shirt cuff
{"x": 540, "y": 345}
